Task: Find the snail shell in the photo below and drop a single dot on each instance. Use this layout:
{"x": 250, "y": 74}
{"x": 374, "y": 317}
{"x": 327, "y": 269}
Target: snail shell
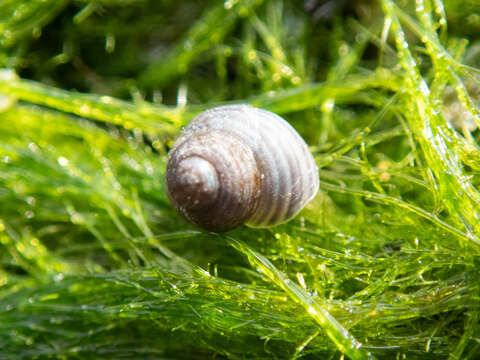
{"x": 237, "y": 164}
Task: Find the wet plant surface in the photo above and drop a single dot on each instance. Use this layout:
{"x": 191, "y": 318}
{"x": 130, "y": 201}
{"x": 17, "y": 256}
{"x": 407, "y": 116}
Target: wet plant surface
{"x": 383, "y": 263}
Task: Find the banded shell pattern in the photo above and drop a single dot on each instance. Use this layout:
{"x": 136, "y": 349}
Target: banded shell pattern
{"x": 237, "y": 164}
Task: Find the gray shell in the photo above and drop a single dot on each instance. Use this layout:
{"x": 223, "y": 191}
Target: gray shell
{"x": 237, "y": 164}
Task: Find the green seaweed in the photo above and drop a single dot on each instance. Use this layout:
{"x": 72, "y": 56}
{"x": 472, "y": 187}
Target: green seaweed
{"x": 382, "y": 264}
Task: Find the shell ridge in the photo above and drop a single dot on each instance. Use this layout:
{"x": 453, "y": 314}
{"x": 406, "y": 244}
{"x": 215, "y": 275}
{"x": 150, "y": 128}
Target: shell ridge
{"x": 265, "y": 171}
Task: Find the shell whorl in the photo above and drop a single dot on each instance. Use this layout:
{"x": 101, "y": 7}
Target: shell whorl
{"x": 237, "y": 164}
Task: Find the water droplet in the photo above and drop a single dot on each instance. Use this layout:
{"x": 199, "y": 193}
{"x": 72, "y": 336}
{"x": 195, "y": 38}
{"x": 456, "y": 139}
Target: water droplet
{"x": 62, "y": 161}
{"x": 32, "y": 146}
{"x": 85, "y": 109}
{"x": 6, "y": 102}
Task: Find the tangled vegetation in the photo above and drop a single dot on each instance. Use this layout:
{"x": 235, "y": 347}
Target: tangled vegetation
{"x": 383, "y": 264}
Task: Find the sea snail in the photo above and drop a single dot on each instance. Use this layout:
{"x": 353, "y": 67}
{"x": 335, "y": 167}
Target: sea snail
{"x": 237, "y": 164}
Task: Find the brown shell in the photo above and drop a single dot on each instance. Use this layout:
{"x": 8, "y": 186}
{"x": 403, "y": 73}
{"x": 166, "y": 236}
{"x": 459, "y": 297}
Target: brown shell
{"x": 237, "y": 164}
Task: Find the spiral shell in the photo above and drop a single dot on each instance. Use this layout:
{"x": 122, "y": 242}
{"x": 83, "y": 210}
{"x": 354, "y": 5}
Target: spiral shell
{"x": 237, "y": 164}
